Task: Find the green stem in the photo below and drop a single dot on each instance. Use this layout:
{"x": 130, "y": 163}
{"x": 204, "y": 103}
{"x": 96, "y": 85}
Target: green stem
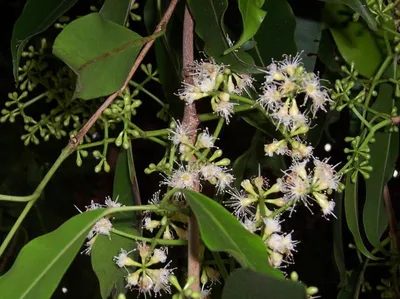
{"x": 361, "y": 118}
{"x": 215, "y": 135}
{"x": 242, "y": 99}
{"x": 221, "y": 265}
{"x": 140, "y": 87}
{"x": 149, "y": 240}
{"x": 377, "y": 76}
{"x": 94, "y": 144}
{"x": 282, "y": 209}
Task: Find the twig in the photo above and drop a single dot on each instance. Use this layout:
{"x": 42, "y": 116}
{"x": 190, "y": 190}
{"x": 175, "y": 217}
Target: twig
{"x": 191, "y": 121}
{"x": 392, "y": 219}
{"x": 74, "y": 141}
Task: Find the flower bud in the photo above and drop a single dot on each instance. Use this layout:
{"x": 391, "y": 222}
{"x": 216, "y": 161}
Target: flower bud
{"x": 248, "y": 187}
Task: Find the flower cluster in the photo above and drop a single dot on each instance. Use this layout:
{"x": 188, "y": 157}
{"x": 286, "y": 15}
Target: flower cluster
{"x": 208, "y": 79}
{"x": 146, "y": 280}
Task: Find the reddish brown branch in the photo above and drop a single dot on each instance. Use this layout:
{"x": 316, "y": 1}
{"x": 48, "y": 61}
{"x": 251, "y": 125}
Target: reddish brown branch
{"x": 392, "y": 219}
{"x": 73, "y": 143}
{"x": 191, "y": 121}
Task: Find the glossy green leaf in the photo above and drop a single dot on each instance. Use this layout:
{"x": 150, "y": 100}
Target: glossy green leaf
{"x": 168, "y": 50}
{"x": 221, "y": 231}
{"x": 41, "y": 264}
{"x": 244, "y": 283}
{"x": 351, "y": 211}
{"x": 280, "y": 19}
{"x": 256, "y": 119}
{"x": 384, "y": 152}
{"x": 208, "y": 16}
{"x": 123, "y": 190}
{"x": 111, "y": 277}
{"x": 361, "y": 7}
{"x": 338, "y": 250}
{"x": 308, "y": 31}
{"x": 252, "y": 17}
{"x": 100, "y": 52}
{"x": 327, "y": 52}
{"x": 355, "y": 42}
{"x": 37, "y": 16}
{"x": 116, "y": 11}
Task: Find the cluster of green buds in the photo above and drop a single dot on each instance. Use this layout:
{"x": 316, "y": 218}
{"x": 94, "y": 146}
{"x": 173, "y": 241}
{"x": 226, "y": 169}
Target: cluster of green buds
{"x": 382, "y": 10}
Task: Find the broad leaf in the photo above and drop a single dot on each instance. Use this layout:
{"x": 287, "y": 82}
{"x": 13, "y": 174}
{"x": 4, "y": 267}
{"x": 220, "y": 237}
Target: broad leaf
{"x": 327, "y": 51}
{"x": 252, "y": 17}
{"x": 351, "y": 211}
{"x": 168, "y": 50}
{"x": 280, "y": 19}
{"x": 116, "y": 11}
{"x": 221, "y": 231}
{"x": 41, "y": 264}
{"x": 245, "y": 283}
{"x": 37, "y": 16}
{"x": 338, "y": 250}
{"x": 208, "y": 16}
{"x": 354, "y": 40}
{"x": 100, "y": 52}
{"x": 361, "y": 7}
{"x": 123, "y": 190}
{"x": 110, "y": 276}
{"x": 384, "y": 152}
{"x": 308, "y": 31}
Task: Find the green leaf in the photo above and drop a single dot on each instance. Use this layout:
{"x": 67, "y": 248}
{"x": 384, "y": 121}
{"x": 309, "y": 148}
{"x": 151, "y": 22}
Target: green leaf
{"x": 110, "y": 276}
{"x": 37, "y": 16}
{"x": 100, "y": 52}
{"x": 252, "y": 17}
{"x": 327, "y": 52}
{"x": 351, "y": 211}
{"x": 280, "y": 19}
{"x": 208, "y": 16}
{"x": 308, "y": 31}
{"x": 116, "y": 11}
{"x": 41, "y": 264}
{"x": 354, "y": 40}
{"x": 384, "y": 152}
{"x": 338, "y": 250}
{"x": 361, "y": 7}
{"x": 168, "y": 50}
{"x": 244, "y": 283}
{"x": 256, "y": 119}
{"x": 123, "y": 190}
{"x": 221, "y": 231}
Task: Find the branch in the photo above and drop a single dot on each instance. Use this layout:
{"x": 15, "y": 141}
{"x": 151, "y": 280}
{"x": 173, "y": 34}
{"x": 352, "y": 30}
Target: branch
{"x": 74, "y": 141}
{"x": 191, "y": 121}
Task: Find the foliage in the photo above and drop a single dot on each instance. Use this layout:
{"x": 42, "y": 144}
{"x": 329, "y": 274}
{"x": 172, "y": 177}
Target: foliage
{"x": 264, "y": 83}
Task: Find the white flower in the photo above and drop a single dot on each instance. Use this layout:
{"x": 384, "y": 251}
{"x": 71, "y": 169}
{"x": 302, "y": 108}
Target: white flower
{"x": 288, "y": 244}
{"x": 272, "y": 225}
{"x": 240, "y": 202}
{"x": 276, "y": 147}
{"x": 296, "y": 188}
{"x": 273, "y": 73}
{"x": 210, "y": 171}
{"x": 224, "y": 179}
{"x": 159, "y": 256}
{"x": 249, "y": 224}
{"x": 224, "y": 109}
{"x": 180, "y": 134}
{"x": 102, "y": 226}
{"x": 327, "y": 206}
{"x": 205, "y": 292}
{"x": 122, "y": 260}
{"x": 275, "y": 242}
{"x": 160, "y": 279}
{"x": 242, "y": 81}
{"x": 150, "y": 224}
{"x": 111, "y": 203}
{"x": 190, "y": 93}
{"x": 183, "y": 178}
{"x": 287, "y": 86}
{"x": 93, "y": 206}
{"x": 276, "y": 259}
{"x": 155, "y": 199}
{"x": 133, "y": 279}
{"x": 290, "y": 64}
{"x": 271, "y": 99}
{"x": 318, "y": 94}
{"x": 205, "y": 140}
{"x": 282, "y": 116}
{"x": 325, "y": 176}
